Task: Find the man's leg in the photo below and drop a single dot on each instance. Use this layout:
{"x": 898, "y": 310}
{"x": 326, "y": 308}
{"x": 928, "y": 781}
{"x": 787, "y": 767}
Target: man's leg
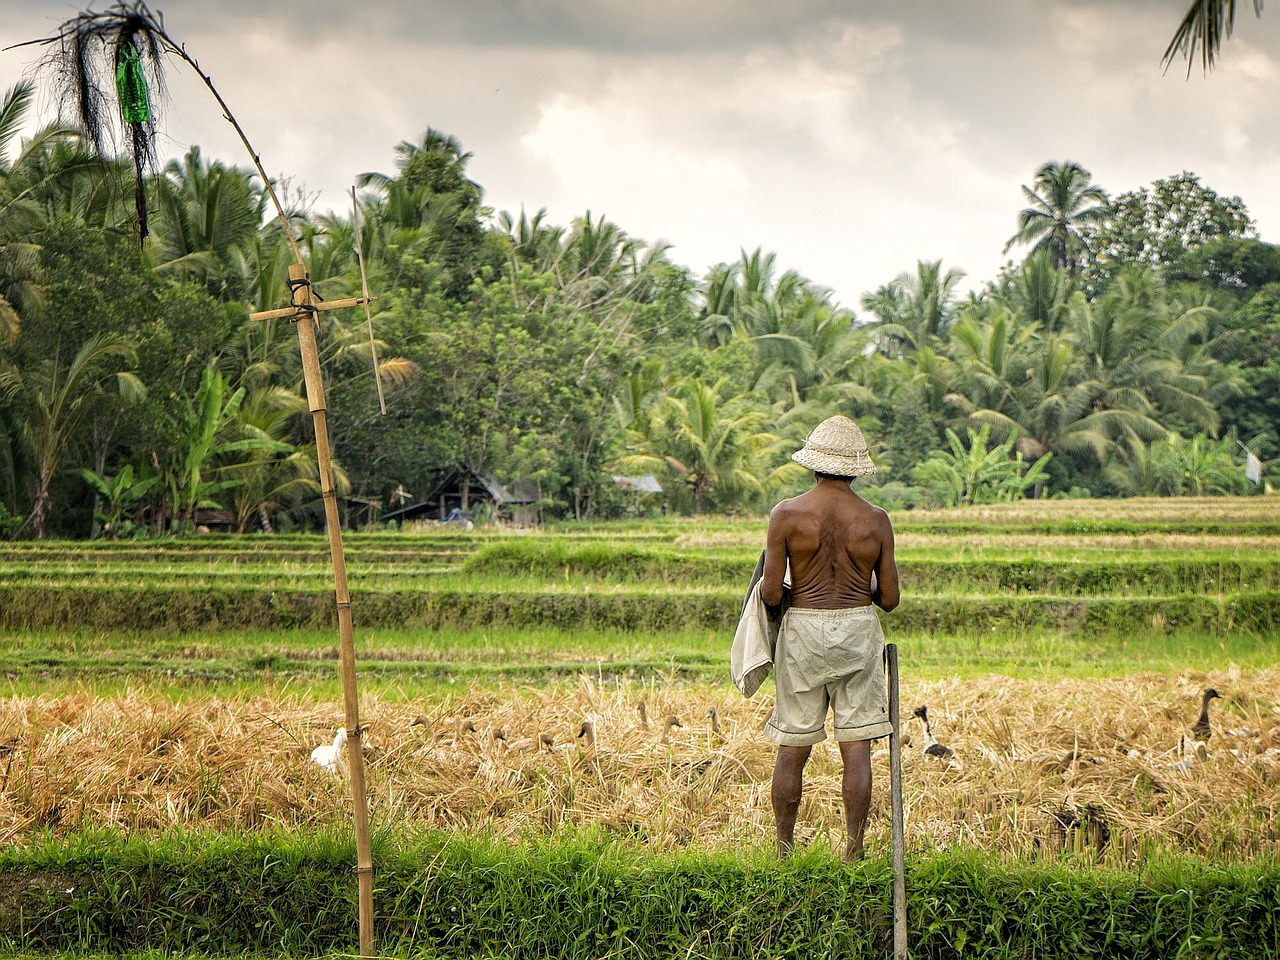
{"x": 856, "y": 788}
{"x": 788, "y": 784}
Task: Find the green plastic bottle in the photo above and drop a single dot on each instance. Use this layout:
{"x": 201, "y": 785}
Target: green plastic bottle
{"x": 131, "y": 85}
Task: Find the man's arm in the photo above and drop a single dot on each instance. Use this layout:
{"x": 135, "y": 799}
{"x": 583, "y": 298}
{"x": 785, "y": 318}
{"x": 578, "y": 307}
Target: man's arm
{"x": 775, "y": 560}
{"x": 885, "y": 595}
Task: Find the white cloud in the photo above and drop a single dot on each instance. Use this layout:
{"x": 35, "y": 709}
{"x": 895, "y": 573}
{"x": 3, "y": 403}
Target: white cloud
{"x": 850, "y": 139}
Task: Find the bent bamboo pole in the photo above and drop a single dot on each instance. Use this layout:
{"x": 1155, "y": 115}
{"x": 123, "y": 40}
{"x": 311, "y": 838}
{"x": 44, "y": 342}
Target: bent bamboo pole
{"x": 351, "y": 702}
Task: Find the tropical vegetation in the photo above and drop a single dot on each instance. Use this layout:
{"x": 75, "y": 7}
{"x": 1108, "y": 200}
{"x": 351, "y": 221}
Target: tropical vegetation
{"x": 1130, "y": 349}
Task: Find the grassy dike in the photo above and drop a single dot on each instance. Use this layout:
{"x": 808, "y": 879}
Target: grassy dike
{"x": 581, "y": 896}
{"x": 25, "y": 608}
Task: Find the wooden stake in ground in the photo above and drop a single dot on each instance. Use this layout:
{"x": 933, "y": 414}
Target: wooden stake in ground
{"x": 304, "y": 310}
{"x": 895, "y": 787}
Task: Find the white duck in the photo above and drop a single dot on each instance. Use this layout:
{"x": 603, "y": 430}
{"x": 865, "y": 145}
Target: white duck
{"x": 329, "y": 755}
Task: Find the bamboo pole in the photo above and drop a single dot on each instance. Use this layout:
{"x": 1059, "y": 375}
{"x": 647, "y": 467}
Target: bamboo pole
{"x": 895, "y": 787}
{"x": 137, "y": 16}
{"x": 355, "y": 754}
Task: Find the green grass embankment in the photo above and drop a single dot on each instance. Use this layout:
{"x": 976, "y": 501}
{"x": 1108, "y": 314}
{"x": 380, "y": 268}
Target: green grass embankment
{"x": 585, "y": 898}
{"x": 256, "y": 661}
{"x": 107, "y": 608}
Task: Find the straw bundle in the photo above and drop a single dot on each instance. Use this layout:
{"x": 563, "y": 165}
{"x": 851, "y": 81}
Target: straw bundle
{"x": 1039, "y": 767}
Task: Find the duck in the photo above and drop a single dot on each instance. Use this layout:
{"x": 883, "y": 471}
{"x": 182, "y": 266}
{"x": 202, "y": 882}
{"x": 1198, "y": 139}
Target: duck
{"x": 1090, "y": 821}
{"x": 534, "y": 744}
{"x": 931, "y": 748}
{"x": 1201, "y": 730}
{"x": 715, "y": 721}
{"x": 668, "y": 725}
{"x": 643, "y": 709}
{"x": 329, "y": 755}
{"x": 587, "y": 734}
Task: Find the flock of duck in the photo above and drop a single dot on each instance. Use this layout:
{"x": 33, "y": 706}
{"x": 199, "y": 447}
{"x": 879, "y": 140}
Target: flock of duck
{"x": 330, "y": 755}
{"x": 1190, "y": 750}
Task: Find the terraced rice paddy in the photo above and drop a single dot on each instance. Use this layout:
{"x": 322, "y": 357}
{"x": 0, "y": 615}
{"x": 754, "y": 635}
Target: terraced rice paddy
{"x": 1061, "y": 648}
{"x": 1064, "y": 667}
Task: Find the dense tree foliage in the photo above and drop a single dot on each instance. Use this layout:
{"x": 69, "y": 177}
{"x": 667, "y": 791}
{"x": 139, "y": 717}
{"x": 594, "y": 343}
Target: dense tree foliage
{"x": 1127, "y": 353}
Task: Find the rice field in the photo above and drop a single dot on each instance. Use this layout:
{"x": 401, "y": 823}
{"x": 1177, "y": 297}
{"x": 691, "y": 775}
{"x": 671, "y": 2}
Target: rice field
{"x": 1062, "y": 650}
{"x": 214, "y": 727}
{"x": 1030, "y": 757}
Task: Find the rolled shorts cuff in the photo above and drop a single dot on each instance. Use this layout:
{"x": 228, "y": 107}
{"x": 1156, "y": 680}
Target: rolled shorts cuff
{"x": 869, "y": 731}
{"x": 791, "y": 738}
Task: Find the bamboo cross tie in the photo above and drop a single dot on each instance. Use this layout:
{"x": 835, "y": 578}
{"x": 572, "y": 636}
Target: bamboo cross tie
{"x": 308, "y": 302}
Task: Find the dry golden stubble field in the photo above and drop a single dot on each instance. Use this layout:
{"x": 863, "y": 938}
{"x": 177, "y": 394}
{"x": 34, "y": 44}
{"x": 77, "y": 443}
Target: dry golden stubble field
{"x": 1039, "y": 766}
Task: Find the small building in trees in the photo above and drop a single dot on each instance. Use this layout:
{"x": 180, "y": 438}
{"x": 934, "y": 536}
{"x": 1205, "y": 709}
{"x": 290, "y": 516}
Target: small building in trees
{"x": 640, "y": 486}
{"x": 359, "y": 513}
{"x": 460, "y": 489}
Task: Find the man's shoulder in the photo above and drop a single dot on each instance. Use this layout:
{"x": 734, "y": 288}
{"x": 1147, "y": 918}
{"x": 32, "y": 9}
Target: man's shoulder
{"x": 879, "y": 516}
{"x": 866, "y": 506}
{"x": 790, "y": 506}
{"x": 880, "y": 513}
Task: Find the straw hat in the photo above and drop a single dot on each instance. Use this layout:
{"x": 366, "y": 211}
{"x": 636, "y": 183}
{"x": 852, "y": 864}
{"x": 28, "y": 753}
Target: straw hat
{"x": 836, "y": 447}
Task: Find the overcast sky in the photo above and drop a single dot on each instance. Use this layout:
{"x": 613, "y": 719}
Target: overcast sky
{"x": 850, "y": 138}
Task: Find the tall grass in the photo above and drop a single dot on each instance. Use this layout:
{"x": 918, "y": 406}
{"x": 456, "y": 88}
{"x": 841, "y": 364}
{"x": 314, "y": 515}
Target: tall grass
{"x": 584, "y": 897}
{"x": 1027, "y": 754}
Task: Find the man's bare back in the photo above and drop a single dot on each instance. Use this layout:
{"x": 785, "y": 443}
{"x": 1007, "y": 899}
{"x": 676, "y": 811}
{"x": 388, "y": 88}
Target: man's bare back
{"x": 840, "y": 548}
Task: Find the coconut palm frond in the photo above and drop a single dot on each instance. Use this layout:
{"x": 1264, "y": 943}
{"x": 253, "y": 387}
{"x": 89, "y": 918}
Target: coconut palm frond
{"x": 1204, "y": 27}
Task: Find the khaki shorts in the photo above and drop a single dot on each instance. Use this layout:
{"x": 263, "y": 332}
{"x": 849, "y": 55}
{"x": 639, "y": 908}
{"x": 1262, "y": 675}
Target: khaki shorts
{"x": 829, "y": 659}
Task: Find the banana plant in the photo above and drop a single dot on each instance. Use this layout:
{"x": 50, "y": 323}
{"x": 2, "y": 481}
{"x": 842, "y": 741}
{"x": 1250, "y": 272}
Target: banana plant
{"x": 118, "y": 494}
{"x": 204, "y": 423}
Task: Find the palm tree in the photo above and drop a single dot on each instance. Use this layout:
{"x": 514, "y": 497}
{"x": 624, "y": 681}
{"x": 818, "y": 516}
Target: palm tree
{"x": 991, "y": 350}
{"x": 1131, "y": 350}
{"x": 50, "y": 174}
{"x": 276, "y": 475}
{"x": 55, "y": 402}
{"x": 817, "y": 351}
{"x": 205, "y": 214}
{"x": 914, "y": 311}
{"x": 533, "y": 241}
{"x": 41, "y": 169}
{"x": 1061, "y": 200}
{"x": 1206, "y": 24}
{"x": 1038, "y": 292}
{"x": 431, "y": 210}
{"x": 715, "y": 446}
{"x": 731, "y": 291}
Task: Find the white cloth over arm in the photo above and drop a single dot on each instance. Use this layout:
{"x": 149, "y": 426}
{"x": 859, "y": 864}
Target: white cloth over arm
{"x": 751, "y": 656}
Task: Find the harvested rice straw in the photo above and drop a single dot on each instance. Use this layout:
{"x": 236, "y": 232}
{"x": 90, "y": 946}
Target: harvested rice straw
{"x": 1041, "y": 768}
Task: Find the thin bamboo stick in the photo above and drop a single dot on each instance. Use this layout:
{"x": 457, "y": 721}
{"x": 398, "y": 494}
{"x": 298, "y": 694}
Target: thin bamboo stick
{"x": 895, "y": 787}
{"x": 364, "y": 294}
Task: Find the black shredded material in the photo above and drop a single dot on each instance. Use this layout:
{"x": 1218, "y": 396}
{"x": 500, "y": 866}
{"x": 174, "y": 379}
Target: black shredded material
{"x": 82, "y": 65}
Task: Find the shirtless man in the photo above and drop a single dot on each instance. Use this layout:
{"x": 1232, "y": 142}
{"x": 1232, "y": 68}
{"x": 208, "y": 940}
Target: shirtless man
{"x": 830, "y": 646}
